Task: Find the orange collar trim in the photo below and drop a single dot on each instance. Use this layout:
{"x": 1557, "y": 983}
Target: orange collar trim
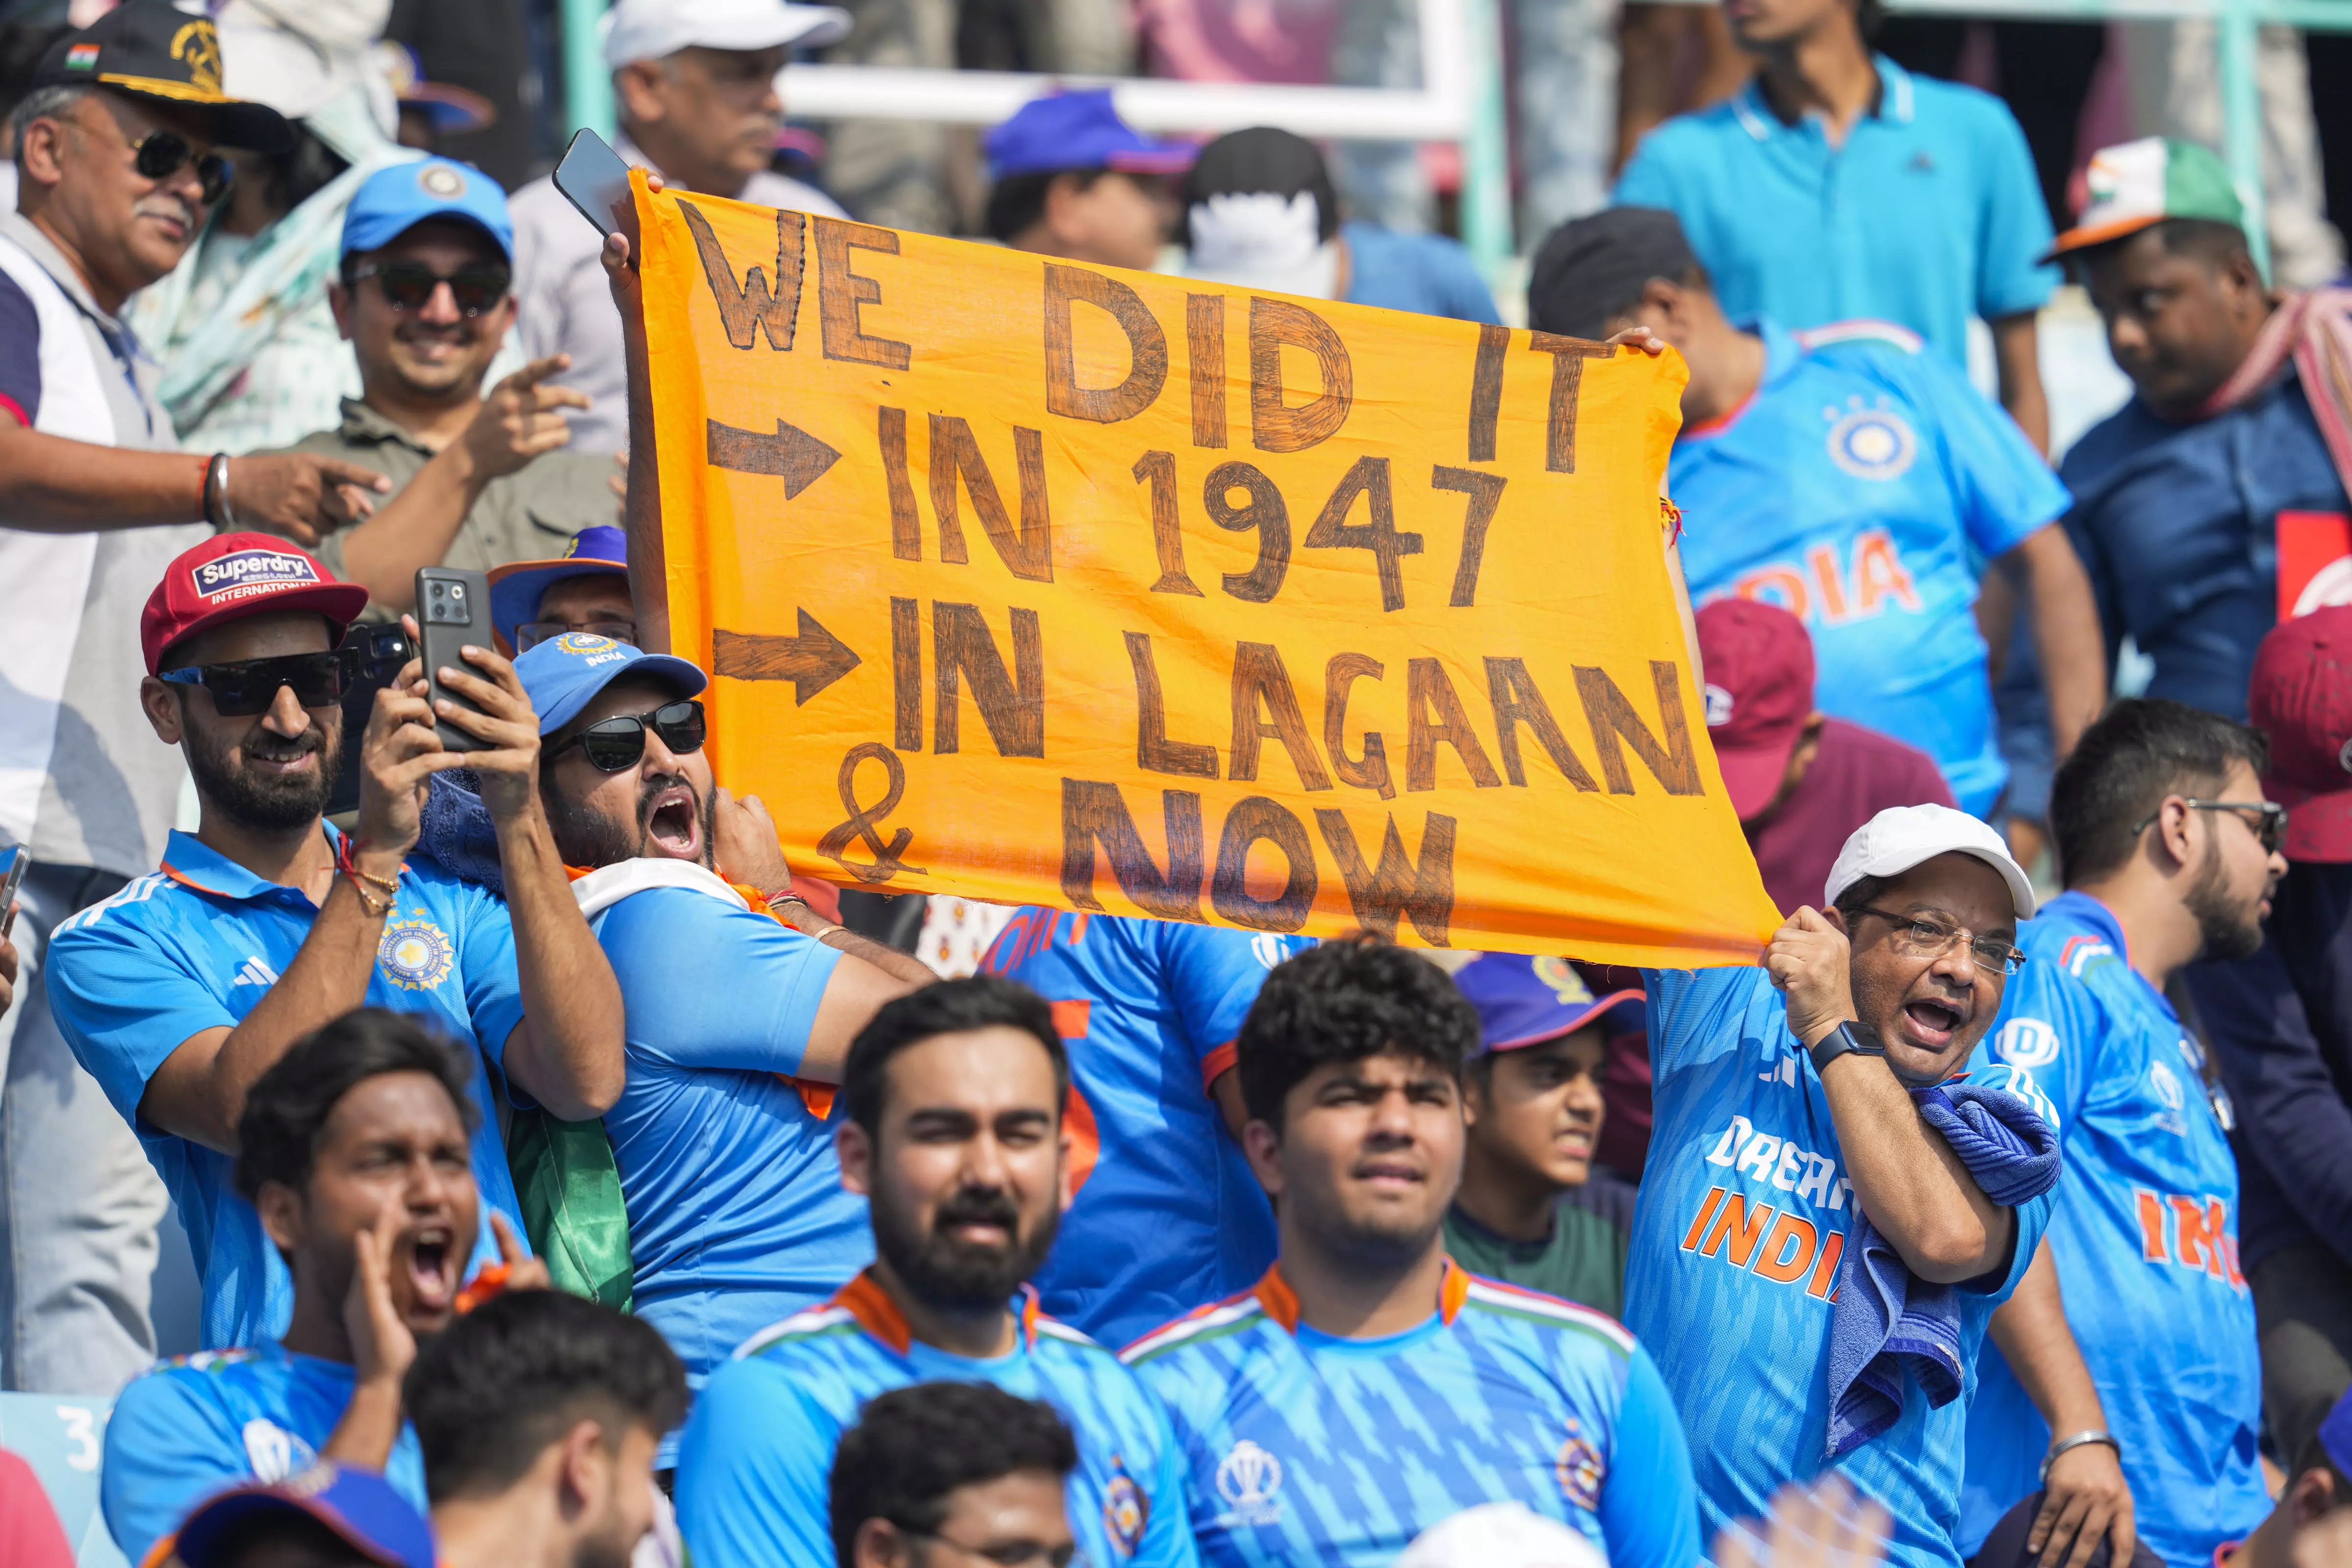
{"x": 865, "y": 1300}
{"x": 1281, "y": 1303}
{"x": 1724, "y": 420}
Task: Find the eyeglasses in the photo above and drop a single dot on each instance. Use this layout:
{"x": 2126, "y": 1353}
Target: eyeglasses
{"x": 613, "y": 744}
{"x": 1011, "y": 1554}
{"x": 2269, "y": 823}
{"x": 248, "y": 686}
{"x": 530, "y": 634}
{"x": 1916, "y": 938}
{"x": 160, "y": 154}
{"x": 409, "y": 285}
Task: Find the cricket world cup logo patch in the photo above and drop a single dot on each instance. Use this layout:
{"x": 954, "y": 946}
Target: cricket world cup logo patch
{"x": 415, "y": 954}
{"x": 1249, "y": 1479}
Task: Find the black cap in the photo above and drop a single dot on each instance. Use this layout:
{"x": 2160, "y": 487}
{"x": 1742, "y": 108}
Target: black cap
{"x": 1263, "y": 158}
{"x": 1594, "y": 268}
{"x": 153, "y": 49}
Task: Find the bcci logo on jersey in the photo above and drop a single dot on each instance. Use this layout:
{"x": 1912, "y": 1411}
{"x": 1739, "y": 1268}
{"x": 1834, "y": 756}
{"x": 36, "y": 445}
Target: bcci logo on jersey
{"x": 589, "y": 646}
{"x": 1124, "y": 1509}
{"x": 415, "y": 954}
{"x": 243, "y": 571}
{"x": 1872, "y": 443}
{"x": 1579, "y": 1468}
{"x": 1248, "y": 1478}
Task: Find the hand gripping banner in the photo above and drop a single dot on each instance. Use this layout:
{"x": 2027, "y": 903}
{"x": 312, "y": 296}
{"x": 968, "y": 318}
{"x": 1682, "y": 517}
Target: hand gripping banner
{"x": 1054, "y": 584}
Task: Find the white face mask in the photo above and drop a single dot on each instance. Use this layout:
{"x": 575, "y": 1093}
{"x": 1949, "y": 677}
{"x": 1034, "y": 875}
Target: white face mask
{"x": 1257, "y": 240}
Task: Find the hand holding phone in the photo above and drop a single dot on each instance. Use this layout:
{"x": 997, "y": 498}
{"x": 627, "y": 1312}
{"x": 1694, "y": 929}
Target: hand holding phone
{"x": 17, "y": 858}
{"x": 595, "y": 180}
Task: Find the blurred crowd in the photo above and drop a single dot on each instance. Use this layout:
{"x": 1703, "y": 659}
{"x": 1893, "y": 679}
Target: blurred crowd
{"x": 440, "y": 1127}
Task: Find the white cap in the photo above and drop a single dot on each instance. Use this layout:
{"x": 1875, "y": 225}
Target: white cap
{"x": 1501, "y": 1535}
{"x": 1903, "y": 837}
{"x": 651, "y": 29}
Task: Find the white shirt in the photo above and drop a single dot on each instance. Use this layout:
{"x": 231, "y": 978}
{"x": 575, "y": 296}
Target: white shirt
{"x": 564, "y": 305}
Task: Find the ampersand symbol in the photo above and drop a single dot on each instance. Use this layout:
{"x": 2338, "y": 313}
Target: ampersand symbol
{"x": 887, "y": 862}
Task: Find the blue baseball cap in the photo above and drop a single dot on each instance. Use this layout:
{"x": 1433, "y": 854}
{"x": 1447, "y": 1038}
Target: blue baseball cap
{"x": 1524, "y": 1001}
{"x": 2335, "y": 1435}
{"x": 391, "y": 201}
{"x": 358, "y": 1505}
{"x": 517, "y": 588}
{"x": 562, "y": 675}
{"x": 1078, "y": 130}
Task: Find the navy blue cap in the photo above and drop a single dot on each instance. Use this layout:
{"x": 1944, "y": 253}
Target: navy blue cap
{"x": 517, "y": 588}
{"x": 1078, "y": 130}
{"x": 2335, "y": 1435}
{"x": 391, "y": 201}
{"x": 562, "y": 675}
{"x": 358, "y": 1505}
{"x": 1524, "y": 1001}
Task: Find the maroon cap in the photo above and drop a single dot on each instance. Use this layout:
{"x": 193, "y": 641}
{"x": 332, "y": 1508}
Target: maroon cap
{"x": 1759, "y": 692}
{"x": 232, "y": 576}
{"x": 2301, "y": 697}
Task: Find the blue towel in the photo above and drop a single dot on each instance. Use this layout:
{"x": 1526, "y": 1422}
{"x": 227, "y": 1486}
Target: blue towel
{"x": 454, "y": 827}
{"x": 1886, "y": 1321}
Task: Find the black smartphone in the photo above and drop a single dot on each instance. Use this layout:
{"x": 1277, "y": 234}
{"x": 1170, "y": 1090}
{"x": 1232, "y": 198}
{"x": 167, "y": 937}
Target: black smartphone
{"x": 595, "y": 180}
{"x": 17, "y": 857}
{"x": 453, "y": 608}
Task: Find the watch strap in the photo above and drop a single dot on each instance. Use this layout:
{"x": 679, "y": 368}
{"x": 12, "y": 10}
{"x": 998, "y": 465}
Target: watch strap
{"x": 1842, "y": 1041}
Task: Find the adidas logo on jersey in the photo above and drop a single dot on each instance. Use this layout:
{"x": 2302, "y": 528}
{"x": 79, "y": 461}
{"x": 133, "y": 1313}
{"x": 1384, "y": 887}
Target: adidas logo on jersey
{"x": 253, "y": 971}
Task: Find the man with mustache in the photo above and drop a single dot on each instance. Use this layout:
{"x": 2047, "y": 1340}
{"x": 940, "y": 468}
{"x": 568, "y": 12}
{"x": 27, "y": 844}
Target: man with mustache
{"x": 355, "y": 1149}
{"x": 1827, "y": 1221}
{"x": 182, "y": 990}
{"x": 1369, "y": 1387}
{"x": 116, "y": 147}
{"x": 741, "y": 1003}
{"x": 424, "y": 297}
{"x": 955, "y": 1137}
{"x": 2133, "y": 1337}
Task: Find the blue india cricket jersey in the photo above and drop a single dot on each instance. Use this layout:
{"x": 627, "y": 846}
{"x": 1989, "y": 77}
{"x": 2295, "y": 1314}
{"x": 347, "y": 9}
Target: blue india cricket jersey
{"x": 1860, "y": 489}
{"x": 199, "y": 1423}
{"x": 195, "y": 946}
{"x": 1149, "y": 1010}
{"x": 756, "y": 1462}
{"x": 1301, "y": 1448}
{"x": 1743, "y": 1221}
{"x": 2146, "y": 1242}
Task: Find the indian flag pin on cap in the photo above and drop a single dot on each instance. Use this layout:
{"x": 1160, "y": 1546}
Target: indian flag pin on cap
{"x": 2135, "y": 184}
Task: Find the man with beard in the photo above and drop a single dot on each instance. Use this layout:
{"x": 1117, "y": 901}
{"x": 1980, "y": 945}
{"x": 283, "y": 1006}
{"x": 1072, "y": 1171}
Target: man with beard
{"x": 1827, "y": 1219}
{"x": 180, "y": 991}
{"x": 537, "y": 1416}
{"x": 425, "y": 296}
{"x": 1368, "y": 1387}
{"x": 2169, "y": 852}
{"x": 955, "y": 1136}
{"x": 353, "y": 1147}
{"x": 741, "y": 1003}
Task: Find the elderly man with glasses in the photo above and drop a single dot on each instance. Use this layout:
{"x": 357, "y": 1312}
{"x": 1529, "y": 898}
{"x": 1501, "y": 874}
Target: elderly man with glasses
{"x": 426, "y": 298}
{"x": 2129, "y": 1357}
{"x": 741, "y": 1002}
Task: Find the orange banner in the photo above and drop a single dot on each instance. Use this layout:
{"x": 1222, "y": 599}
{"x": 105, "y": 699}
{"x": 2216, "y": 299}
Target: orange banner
{"x": 1049, "y": 583}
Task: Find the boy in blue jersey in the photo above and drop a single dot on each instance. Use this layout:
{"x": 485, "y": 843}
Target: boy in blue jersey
{"x": 1856, "y": 484}
{"x": 1149, "y": 1010}
{"x": 2170, "y": 852}
{"x": 180, "y": 991}
{"x": 741, "y": 1002}
{"x": 1754, "y": 1279}
{"x": 1368, "y": 1388}
{"x": 354, "y": 1149}
{"x": 955, "y": 1137}
{"x": 1836, "y": 184}
{"x": 537, "y": 1416}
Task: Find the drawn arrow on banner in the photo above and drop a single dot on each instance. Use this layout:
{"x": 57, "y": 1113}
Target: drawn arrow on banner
{"x": 792, "y": 453}
{"x": 811, "y": 661}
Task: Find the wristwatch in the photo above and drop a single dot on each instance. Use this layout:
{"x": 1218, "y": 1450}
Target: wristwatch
{"x": 1841, "y": 1041}
{"x": 2076, "y": 1441}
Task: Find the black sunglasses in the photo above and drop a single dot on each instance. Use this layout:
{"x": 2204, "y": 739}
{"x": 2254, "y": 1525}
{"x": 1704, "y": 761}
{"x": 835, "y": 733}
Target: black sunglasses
{"x": 164, "y": 154}
{"x": 613, "y": 744}
{"x": 2267, "y": 819}
{"x": 409, "y": 285}
{"x": 248, "y": 686}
